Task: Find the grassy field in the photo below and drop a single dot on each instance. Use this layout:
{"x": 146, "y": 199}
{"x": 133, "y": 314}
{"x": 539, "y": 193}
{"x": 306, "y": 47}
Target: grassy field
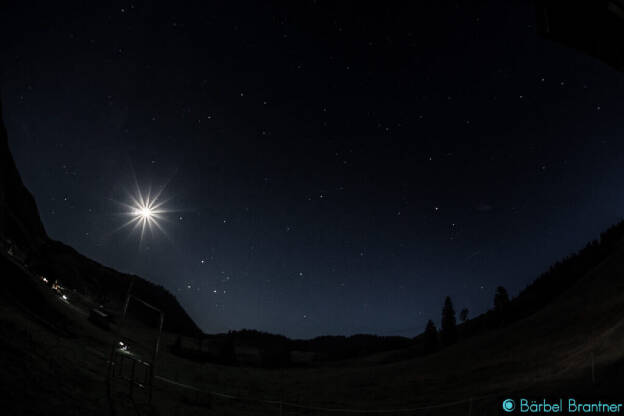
{"x": 56, "y": 363}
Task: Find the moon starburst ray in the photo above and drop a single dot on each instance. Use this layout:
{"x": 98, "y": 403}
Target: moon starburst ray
{"x": 146, "y": 211}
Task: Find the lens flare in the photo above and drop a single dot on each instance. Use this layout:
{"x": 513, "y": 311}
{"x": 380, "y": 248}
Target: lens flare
{"x": 146, "y": 212}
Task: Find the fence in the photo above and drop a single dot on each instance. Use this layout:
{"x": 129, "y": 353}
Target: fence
{"x": 589, "y": 354}
{"x": 488, "y": 404}
{"x": 132, "y": 360}
{"x": 469, "y": 406}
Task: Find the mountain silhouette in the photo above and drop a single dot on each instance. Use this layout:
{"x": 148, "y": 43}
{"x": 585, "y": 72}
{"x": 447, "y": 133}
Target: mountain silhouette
{"x": 22, "y": 232}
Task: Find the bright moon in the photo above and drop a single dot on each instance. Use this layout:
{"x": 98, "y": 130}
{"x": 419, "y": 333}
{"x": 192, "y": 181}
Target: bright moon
{"x": 145, "y": 211}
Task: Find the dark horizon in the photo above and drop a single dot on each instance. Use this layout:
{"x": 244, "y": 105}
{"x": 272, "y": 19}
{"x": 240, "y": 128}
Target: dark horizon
{"x": 329, "y": 169}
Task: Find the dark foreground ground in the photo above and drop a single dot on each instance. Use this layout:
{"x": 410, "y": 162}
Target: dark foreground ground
{"x": 53, "y": 361}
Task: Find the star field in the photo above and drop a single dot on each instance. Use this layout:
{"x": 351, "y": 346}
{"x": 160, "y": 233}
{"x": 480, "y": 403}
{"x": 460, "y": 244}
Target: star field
{"x": 328, "y": 169}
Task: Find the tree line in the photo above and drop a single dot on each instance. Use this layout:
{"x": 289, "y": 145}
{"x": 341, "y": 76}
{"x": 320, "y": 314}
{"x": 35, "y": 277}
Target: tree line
{"x": 275, "y": 349}
{"x": 449, "y": 332}
{"x": 559, "y": 277}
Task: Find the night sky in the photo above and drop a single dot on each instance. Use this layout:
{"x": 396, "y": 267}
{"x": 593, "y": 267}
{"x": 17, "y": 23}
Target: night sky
{"x": 326, "y": 169}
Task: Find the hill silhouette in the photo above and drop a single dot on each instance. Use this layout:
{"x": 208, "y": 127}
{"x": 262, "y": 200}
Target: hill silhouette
{"x": 22, "y": 232}
{"x": 545, "y": 340}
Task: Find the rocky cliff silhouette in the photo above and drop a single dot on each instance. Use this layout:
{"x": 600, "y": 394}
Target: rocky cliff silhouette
{"x": 22, "y": 232}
